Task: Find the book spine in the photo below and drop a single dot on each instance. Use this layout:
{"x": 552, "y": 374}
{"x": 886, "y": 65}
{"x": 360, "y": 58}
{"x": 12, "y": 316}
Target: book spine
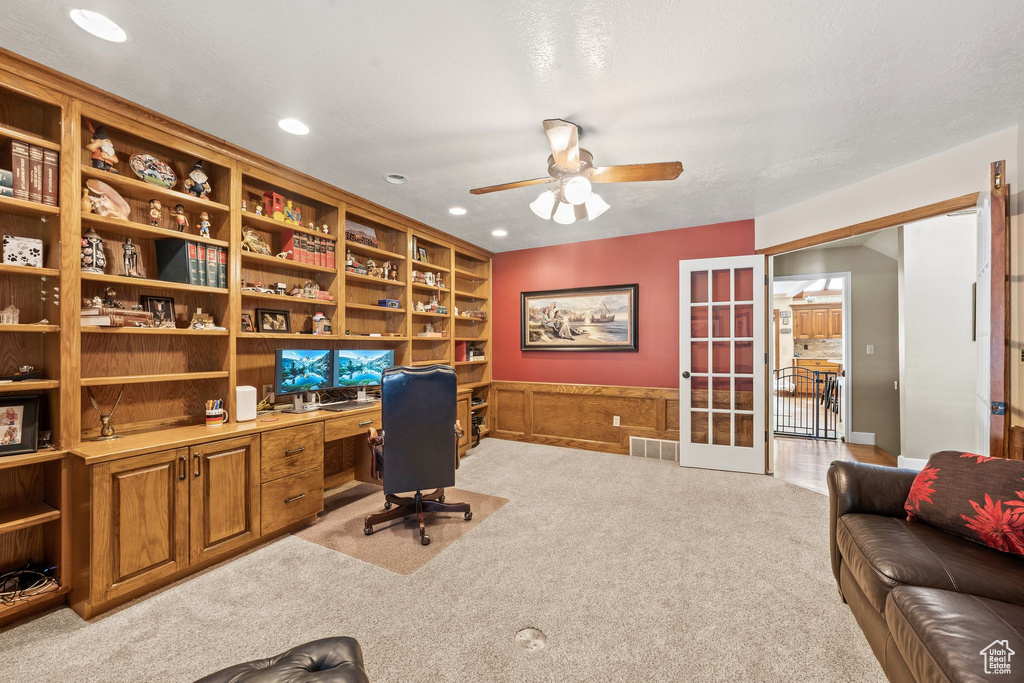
{"x": 51, "y": 174}
{"x": 330, "y": 254}
{"x": 6, "y": 191}
{"x": 6, "y": 178}
{"x": 211, "y": 267}
{"x": 201, "y": 264}
{"x": 222, "y": 268}
{"x": 299, "y": 248}
{"x": 316, "y": 250}
{"x": 193, "y": 264}
{"x": 310, "y": 251}
{"x": 323, "y": 251}
{"x": 16, "y": 153}
{"x": 35, "y": 174}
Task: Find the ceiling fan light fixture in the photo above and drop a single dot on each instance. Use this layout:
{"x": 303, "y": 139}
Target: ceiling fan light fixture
{"x": 565, "y": 214}
{"x": 595, "y": 206}
{"x": 576, "y": 190}
{"x": 543, "y": 204}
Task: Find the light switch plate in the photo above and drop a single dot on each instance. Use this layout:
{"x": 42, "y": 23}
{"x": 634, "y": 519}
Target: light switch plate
{"x": 871, "y": 349}
{"x": 615, "y": 420}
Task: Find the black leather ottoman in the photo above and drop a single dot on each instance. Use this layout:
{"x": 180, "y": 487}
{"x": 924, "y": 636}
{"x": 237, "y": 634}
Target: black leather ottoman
{"x": 328, "y": 660}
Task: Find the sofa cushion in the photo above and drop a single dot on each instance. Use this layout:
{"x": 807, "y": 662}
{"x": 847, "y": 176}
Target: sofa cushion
{"x": 972, "y": 496}
{"x": 328, "y": 660}
{"x": 885, "y": 552}
{"x": 945, "y": 636}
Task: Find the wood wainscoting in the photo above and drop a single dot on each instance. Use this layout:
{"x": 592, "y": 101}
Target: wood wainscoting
{"x": 582, "y": 415}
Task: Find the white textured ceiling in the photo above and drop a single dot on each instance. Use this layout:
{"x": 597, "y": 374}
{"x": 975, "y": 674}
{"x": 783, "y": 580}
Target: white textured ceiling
{"x": 765, "y": 103}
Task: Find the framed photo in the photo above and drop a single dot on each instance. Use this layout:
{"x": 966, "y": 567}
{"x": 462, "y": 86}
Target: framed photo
{"x": 19, "y": 424}
{"x": 421, "y": 254}
{"x": 361, "y": 234}
{"x": 162, "y": 308}
{"x": 247, "y": 325}
{"x": 580, "y": 319}
{"x": 271, "y": 320}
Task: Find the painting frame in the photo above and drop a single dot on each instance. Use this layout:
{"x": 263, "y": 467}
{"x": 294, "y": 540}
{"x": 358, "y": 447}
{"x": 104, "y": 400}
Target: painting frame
{"x": 528, "y": 342}
{"x": 274, "y": 313}
{"x": 25, "y": 422}
{"x": 247, "y": 325}
{"x": 162, "y": 317}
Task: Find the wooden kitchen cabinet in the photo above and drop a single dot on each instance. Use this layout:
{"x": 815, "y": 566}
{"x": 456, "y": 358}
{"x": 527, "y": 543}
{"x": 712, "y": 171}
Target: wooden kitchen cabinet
{"x": 802, "y": 327}
{"x": 224, "y": 496}
{"x": 835, "y": 323}
{"x": 817, "y": 321}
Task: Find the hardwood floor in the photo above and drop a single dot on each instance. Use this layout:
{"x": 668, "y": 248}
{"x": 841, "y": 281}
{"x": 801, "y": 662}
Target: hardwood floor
{"x": 804, "y": 462}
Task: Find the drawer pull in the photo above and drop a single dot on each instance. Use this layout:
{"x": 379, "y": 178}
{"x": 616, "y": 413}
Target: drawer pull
{"x": 293, "y": 451}
{"x": 367, "y": 422}
{"x": 183, "y": 465}
{"x": 294, "y": 498}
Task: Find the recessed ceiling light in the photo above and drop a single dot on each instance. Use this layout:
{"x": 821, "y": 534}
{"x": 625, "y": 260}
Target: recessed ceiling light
{"x": 457, "y": 211}
{"x": 98, "y": 25}
{"x": 293, "y": 126}
{"x": 395, "y": 178}
{"x": 500, "y": 232}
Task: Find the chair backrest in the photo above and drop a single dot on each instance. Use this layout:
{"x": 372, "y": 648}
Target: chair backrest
{"x": 418, "y": 414}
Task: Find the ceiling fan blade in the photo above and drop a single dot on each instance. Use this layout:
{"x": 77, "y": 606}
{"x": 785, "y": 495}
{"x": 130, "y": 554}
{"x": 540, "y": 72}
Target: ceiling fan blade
{"x": 564, "y": 140}
{"x": 635, "y": 173}
{"x": 510, "y": 186}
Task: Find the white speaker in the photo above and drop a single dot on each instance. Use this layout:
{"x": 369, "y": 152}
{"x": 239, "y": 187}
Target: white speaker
{"x": 245, "y": 403}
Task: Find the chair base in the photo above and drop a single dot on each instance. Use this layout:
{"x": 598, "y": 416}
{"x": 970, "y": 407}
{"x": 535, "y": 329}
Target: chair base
{"x": 403, "y": 506}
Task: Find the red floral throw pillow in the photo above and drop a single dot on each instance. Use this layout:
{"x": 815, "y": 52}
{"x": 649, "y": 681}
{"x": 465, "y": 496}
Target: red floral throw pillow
{"x": 972, "y": 496}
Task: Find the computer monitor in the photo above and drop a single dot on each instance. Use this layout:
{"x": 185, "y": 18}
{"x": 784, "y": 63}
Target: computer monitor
{"x": 300, "y": 370}
{"x": 361, "y": 367}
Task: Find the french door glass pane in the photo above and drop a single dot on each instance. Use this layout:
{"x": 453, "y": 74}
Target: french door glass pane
{"x": 699, "y": 287}
{"x": 720, "y": 398}
{"x": 744, "y": 288}
{"x": 744, "y": 320}
{"x": 699, "y": 357}
{"x": 721, "y": 429}
{"x": 744, "y": 357}
{"x": 698, "y": 392}
{"x": 720, "y": 363}
{"x": 720, "y": 285}
{"x": 720, "y": 321}
{"x": 744, "y": 430}
{"x": 698, "y": 427}
{"x": 699, "y": 322}
{"x": 744, "y": 393}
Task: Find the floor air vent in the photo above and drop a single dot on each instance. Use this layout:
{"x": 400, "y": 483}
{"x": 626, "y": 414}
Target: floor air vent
{"x": 658, "y": 449}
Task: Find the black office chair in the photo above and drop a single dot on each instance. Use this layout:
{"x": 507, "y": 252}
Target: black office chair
{"x": 422, "y": 448}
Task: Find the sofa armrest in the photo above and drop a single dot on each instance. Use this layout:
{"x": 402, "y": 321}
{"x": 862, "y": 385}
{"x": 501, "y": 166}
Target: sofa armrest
{"x": 869, "y": 489}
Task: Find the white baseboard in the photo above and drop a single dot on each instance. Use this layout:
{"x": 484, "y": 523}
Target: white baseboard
{"x": 911, "y": 463}
{"x": 866, "y": 438}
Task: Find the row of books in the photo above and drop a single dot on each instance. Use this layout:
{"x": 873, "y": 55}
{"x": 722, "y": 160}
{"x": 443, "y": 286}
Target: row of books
{"x": 105, "y": 316}
{"x": 314, "y": 251}
{"x": 191, "y": 263}
{"x": 28, "y": 172}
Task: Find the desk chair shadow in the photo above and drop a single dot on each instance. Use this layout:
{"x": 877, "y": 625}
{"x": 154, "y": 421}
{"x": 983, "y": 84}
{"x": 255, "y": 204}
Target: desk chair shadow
{"x": 418, "y": 413}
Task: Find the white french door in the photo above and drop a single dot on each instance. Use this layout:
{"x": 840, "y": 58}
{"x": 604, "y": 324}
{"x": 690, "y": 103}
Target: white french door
{"x": 721, "y": 364}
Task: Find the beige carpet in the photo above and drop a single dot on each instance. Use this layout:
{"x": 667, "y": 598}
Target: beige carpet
{"x": 635, "y": 569}
{"x": 394, "y": 545}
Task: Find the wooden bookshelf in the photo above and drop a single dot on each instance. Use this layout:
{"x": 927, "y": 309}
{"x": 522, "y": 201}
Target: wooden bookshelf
{"x": 272, "y": 262}
{"x": 27, "y": 271}
{"x": 130, "y": 186}
{"x": 151, "y": 379}
{"x": 150, "y": 284}
{"x": 21, "y": 207}
{"x": 29, "y": 328}
{"x": 26, "y": 516}
{"x": 28, "y": 385}
{"x": 286, "y": 299}
{"x": 131, "y": 228}
{"x": 266, "y": 224}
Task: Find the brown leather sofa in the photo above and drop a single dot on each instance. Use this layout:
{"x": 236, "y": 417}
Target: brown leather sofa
{"x": 930, "y": 604}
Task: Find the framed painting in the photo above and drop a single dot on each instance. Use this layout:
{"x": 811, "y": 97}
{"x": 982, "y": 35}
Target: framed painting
{"x": 580, "y": 319}
{"x": 271, "y": 320}
{"x": 19, "y": 425}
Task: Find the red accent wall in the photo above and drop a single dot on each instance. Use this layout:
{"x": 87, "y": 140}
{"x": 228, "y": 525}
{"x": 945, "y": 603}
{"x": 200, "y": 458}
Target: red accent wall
{"x": 650, "y": 259}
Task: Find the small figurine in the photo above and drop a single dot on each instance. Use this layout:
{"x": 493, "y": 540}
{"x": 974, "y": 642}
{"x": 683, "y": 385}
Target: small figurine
{"x": 285, "y": 254}
{"x": 103, "y": 155}
{"x": 282, "y": 288}
{"x": 196, "y": 184}
{"x": 311, "y": 227}
{"x": 110, "y": 299}
{"x": 439, "y": 281}
{"x": 292, "y": 214}
{"x": 429, "y": 279}
{"x": 86, "y": 202}
{"x": 387, "y": 270}
{"x": 180, "y": 219}
{"x": 10, "y": 315}
{"x": 93, "y": 258}
{"x": 394, "y": 275}
{"x": 428, "y": 328}
{"x": 155, "y": 212}
{"x": 323, "y": 229}
{"x": 350, "y": 260}
{"x": 420, "y": 308}
{"x": 131, "y": 258}
{"x": 259, "y": 209}
{"x": 243, "y": 205}
{"x": 204, "y": 225}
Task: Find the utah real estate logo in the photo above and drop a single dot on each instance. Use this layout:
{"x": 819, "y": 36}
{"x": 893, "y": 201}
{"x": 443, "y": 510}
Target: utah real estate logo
{"x": 997, "y": 656}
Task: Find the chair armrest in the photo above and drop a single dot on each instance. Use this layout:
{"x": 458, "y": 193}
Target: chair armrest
{"x": 459, "y": 431}
{"x": 868, "y": 489}
{"x": 376, "y": 441}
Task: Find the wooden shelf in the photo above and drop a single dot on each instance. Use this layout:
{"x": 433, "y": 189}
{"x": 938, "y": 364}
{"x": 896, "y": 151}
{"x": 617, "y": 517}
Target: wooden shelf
{"x": 155, "y": 331}
{"x": 15, "y": 610}
{"x": 145, "y": 191}
{"x": 421, "y": 265}
{"x": 468, "y": 275}
{"x": 286, "y": 264}
{"x": 478, "y": 405}
{"x": 432, "y": 315}
{"x": 473, "y": 385}
{"x": 45, "y": 455}
{"x": 372, "y": 307}
{"x": 285, "y": 299}
{"x": 25, "y": 516}
{"x": 286, "y": 335}
{"x": 249, "y": 219}
{"x": 365, "y": 337}
{"x": 471, "y": 339}
{"x": 467, "y": 295}
{"x": 27, "y": 271}
{"x": 27, "y": 327}
{"x": 20, "y": 207}
{"x": 151, "y": 379}
{"x": 28, "y": 385}
{"x": 147, "y": 283}
{"x": 12, "y": 134}
{"x": 121, "y": 227}
{"x": 373, "y": 280}
{"x": 469, "y": 318}
{"x": 431, "y": 339}
{"x": 470, "y": 362}
{"x": 374, "y": 252}
{"x": 427, "y": 288}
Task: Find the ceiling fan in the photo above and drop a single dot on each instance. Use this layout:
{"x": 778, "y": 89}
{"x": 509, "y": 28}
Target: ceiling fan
{"x": 571, "y": 170}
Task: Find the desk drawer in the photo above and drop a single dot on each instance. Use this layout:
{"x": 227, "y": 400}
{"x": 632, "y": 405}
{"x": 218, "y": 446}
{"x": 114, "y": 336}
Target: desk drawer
{"x": 286, "y": 451}
{"x": 290, "y": 499}
{"x": 353, "y": 425}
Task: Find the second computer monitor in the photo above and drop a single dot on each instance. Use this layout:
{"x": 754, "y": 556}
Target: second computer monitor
{"x": 361, "y": 367}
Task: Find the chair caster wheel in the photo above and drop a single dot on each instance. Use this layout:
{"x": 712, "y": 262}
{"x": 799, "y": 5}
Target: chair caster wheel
{"x": 440, "y": 498}
{"x": 425, "y": 540}
{"x": 387, "y": 505}
{"x": 367, "y": 530}
{"x": 469, "y": 516}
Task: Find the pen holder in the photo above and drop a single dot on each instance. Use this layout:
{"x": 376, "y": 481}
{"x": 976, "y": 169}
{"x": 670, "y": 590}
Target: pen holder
{"x": 216, "y": 417}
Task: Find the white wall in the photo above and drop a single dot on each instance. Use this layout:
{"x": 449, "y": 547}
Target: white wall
{"x": 937, "y": 354}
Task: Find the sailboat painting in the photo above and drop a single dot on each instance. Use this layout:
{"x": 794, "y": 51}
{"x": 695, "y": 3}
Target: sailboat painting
{"x": 580, "y": 319}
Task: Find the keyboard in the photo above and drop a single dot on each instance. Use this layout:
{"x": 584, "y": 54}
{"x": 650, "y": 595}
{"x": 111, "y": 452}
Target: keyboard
{"x": 342, "y": 406}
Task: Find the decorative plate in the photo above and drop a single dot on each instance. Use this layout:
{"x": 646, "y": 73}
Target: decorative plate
{"x": 106, "y": 201}
{"x": 152, "y": 170}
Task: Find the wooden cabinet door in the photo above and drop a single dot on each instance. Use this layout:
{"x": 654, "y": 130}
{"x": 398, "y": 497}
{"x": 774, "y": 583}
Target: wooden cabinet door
{"x": 224, "y": 484}
{"x": 819, "y": 323}
{"x": 835, "y": 323}
{"x": 140, "y": 521}
{"x": 802, "y": 325}
{"x": 464, "y": 415}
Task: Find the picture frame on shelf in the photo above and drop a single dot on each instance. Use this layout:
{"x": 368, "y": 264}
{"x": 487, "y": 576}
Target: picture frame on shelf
{"x": 602, "y": 318}
{"x": 247, "y": 325}
{"x": 421, "y": 254}
{"x": 19, "y": 424}
{"x": 361, "y": 234}
{"x": 162, "y": 308}
{"x": 273, "y": 320}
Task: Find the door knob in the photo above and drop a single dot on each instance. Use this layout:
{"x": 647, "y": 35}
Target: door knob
{"x": 686, "y": 374}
